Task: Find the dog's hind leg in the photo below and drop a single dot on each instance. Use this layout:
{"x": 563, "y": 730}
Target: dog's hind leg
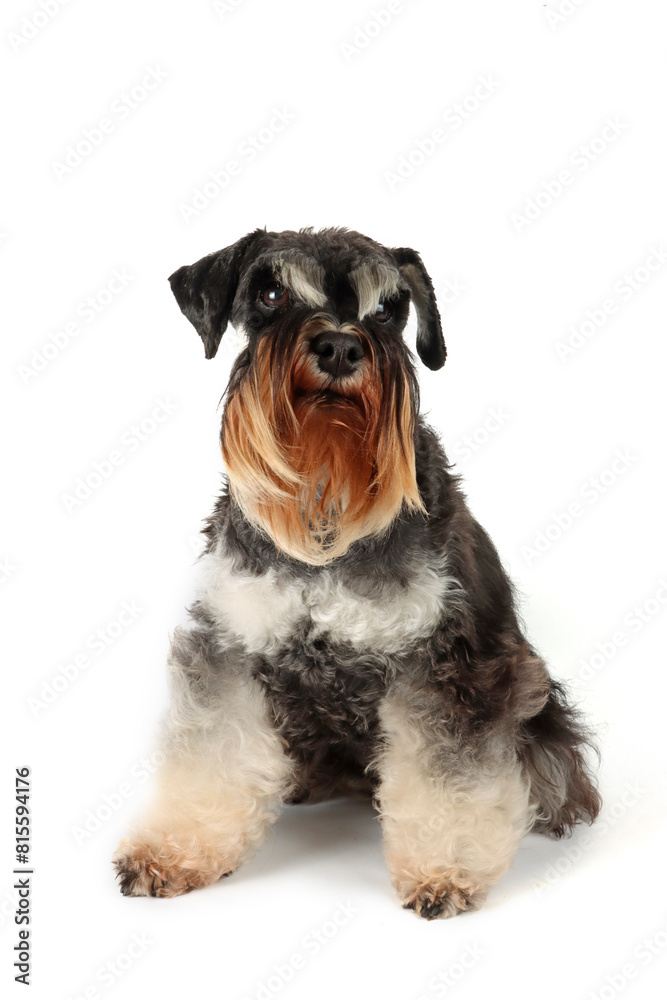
{"x": 552, "y": 750}
{"x": 224, "y": 777}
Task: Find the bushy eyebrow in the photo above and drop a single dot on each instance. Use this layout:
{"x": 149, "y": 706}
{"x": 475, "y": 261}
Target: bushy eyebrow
{"x": 373, "y": 283}
{"x": 303, "y": 276}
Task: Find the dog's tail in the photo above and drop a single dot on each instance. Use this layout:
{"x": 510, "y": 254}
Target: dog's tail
{"x": 554, "y": 748}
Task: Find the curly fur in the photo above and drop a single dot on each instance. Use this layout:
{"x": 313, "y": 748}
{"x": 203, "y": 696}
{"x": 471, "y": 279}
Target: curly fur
{"x": 340, "y": 658}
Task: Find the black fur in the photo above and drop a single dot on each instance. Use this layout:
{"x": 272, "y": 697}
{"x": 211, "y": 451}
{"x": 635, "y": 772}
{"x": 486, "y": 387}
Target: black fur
{"x": 478, "y": 692}
{"x": 477, "y": 674}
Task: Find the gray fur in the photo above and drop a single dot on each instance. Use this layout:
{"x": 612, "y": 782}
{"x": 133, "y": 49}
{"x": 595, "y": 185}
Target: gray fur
{"x": 475, "y": 695}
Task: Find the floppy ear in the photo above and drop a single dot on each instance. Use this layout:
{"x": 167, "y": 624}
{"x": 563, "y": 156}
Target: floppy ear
{"x": 430, "y": 342}
{"x": 205, "y": 291}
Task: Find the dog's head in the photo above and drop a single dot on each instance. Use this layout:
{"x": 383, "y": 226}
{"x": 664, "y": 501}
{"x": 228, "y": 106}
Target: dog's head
{"x": 318, "y": 426}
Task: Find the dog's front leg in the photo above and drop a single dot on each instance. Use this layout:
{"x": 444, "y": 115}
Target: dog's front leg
{"x": 224, "y": 777}
{"x": 452, "y": 816}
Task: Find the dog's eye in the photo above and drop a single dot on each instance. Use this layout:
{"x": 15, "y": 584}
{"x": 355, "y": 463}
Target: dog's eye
{"x": 275, "y": 296}
{"x": 383, "y": 312}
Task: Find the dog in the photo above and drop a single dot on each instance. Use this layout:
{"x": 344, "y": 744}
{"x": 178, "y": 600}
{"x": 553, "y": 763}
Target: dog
{"x": 355, "y": 632}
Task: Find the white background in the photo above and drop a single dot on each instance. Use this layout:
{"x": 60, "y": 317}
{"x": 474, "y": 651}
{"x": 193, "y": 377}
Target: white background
{"x": 560, "y": 924}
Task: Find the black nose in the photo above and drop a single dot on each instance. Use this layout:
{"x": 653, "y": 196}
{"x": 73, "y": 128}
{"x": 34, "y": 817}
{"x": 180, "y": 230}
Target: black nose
{"x": 337, "y": 353}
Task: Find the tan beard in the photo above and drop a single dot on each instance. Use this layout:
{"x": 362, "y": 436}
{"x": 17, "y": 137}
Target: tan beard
{"x": 317, "y": 470}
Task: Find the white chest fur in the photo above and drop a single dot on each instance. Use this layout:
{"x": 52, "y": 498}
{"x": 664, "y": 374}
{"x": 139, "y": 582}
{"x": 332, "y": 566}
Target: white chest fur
{"x": 267, "y": 612}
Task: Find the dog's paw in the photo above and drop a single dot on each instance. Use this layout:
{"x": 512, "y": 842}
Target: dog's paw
{"x": 440, "y": 895}
{"x": 165, "y": 867}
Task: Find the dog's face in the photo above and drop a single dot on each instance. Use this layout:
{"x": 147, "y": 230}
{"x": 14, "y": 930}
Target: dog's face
{"x": 317, "y": 430}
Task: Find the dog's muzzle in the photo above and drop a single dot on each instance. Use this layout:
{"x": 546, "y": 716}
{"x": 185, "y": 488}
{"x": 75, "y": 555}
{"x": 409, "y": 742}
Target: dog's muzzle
{"x": 337, "y": 353}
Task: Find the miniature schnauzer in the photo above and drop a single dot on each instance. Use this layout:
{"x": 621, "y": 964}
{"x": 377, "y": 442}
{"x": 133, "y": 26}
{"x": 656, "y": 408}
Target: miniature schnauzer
{"x": 355, "y": 631}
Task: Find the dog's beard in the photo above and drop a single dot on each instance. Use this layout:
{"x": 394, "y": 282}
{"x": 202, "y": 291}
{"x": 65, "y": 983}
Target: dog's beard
{"x": 318, "y": 464}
